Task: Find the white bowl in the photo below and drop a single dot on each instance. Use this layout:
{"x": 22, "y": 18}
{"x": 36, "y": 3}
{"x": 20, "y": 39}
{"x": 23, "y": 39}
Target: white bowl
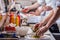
{"x": 22, "y": 31}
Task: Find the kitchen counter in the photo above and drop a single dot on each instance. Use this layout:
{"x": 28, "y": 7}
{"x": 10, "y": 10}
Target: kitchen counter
{"x": 48, "y": 35}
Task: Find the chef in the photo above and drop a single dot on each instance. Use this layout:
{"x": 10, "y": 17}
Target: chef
{"x": 41, "y": 5}
{"x": 44, "y": 27}
{"x": 11, "y": 4}
{"x": 58, "y": 21}
{"x": 2, "y": 12}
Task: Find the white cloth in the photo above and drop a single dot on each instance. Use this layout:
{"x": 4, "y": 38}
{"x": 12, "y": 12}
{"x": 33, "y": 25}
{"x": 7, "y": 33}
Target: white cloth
{"x": 2, "y": 6}
{"x": 41, "y": 2}
{"x": 51, "y": 3}
{"x": 58, "y": 23}
{"x": 11, "y": 4}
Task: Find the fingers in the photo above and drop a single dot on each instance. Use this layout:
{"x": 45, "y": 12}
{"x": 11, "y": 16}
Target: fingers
{"x": 41, "y": 30}
{"x": 38, "y": 33}
{"x": 25, "y": 10}
{"x": 40, "y": 25}
{"x": 31, "y": 12}
{"x": 35, "y": 27}
{"x": 47, "y": 8}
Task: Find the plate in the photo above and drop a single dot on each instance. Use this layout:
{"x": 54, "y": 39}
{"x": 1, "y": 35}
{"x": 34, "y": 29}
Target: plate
{"x": 44, "y": 37}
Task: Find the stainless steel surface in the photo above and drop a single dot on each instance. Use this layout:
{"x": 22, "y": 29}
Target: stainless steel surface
{"x": 48, "y": 36}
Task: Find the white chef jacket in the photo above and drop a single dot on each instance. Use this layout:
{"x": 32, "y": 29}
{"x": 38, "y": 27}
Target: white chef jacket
{"x": 11, "y": 4}
{"x": 51, "y": 3}
{"x": 58, "y": 21}
{"x": 2, "y": 7}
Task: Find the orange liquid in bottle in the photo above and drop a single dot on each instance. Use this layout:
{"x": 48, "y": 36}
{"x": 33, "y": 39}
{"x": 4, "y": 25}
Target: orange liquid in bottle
{"x": 0, "y": 17}
{"x": 12, "y": 18}
{"x": 18, "y": 20}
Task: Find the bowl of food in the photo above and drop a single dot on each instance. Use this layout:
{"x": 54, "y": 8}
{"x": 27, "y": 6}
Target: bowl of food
{"x": 10, "y": 28}
{"x": 22, "y": 31}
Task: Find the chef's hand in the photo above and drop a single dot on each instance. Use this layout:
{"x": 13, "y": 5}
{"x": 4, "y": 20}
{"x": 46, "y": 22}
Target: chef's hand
{"x": 47, "y": 8}
{"x": 37, "y": 26}
{"x": 25, "y": 10}
{"x": 32, "y": 12}
{"x": 41, "y": 30}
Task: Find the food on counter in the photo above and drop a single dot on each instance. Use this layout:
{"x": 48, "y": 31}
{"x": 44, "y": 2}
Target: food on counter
{"x": 36, "y": 36}
{"x": 22, "y": 31}
{"x": 10, "y": 27}
{"x": 32, "y": 37}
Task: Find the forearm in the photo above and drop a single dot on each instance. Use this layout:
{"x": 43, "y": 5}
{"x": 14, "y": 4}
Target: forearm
{"x": 53, "y": 18}
{"x": 7, "y": 20}
{"x": 36, "y": 5}
{"x": 39, "y": 11}
{"x": 11, "y": 6}
{"x": 3, "y": 20}
{"x": 47, "y": 18}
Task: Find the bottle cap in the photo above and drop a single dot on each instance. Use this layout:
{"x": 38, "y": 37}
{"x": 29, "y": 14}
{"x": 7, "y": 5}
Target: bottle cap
{"x": 13, "y": 9}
